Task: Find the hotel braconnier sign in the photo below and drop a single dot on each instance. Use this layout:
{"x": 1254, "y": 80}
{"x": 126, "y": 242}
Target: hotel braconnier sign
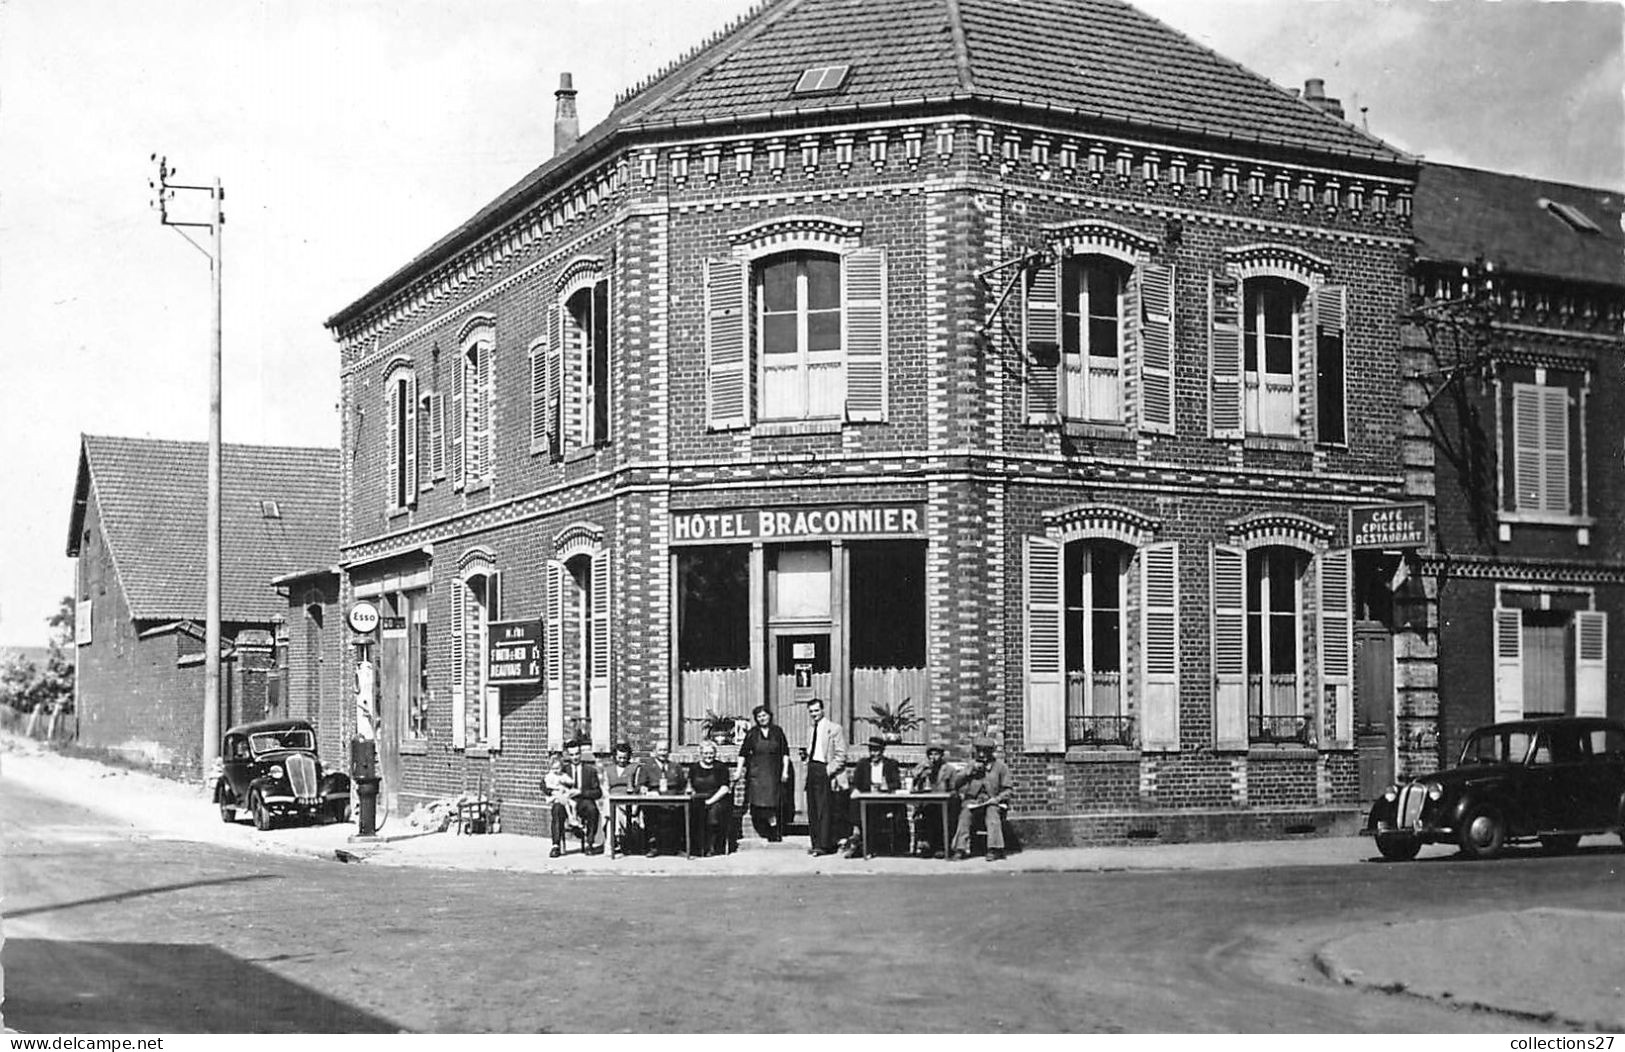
{"x": 1389, "y": 526}
{"x": 797, "y": 523}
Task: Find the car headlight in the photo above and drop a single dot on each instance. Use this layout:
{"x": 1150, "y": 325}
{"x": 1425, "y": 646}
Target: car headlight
{"x": 1391, "y": 793}
{"x": 276, "y": 770}
{"x": 1435, "y": 790}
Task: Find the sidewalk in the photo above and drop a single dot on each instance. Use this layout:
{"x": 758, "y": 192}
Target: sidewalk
{"x": 1556, "y": 968}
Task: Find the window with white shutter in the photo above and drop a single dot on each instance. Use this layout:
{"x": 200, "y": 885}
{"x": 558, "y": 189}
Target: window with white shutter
{"x": 1336, "y": 579}
{"x": 1095, "y": 291}
{"x": 1159, "y": 646}
{"x": 1156, "y": 347}
{"x": 1041, "y": 343}
{"x": 1229, "y": 599}
{"x": 798, "y": 302}
{"x": 1590, "y": 663}
{"x": 1271, "y": 325}
{"x": 538, "y": 397}
{"x": 1044, "y": 699}
{"x": 1224, "y": 357}
{"x": 1508, "y": 664}
{"x": 1540, "y": 459}
{"x": 553, "y": 649}
{"x": 1094, "y": 602}
{"x": 586, "y": 379}
{"x": 437, "y": 435}
{"x": 727, "y": 360}
{"x": 863, "y": 281}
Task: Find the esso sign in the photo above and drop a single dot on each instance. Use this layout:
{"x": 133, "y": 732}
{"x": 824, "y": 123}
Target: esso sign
{"x": 363, "y": 617}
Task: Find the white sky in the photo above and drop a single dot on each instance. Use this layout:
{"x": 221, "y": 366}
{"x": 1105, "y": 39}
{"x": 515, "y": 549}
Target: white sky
{"x": 351, "y": 134}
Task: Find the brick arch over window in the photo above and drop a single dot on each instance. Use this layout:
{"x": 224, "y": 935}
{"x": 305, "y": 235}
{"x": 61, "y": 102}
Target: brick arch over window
{"x": 578, "y": 538}
{"x": 1279, "y": 528}
{"x": 807, "y": 233}
{"x": 473, "y": 324}
{"x": 475, "y": 561}
{"x": 1112, "y": 522}
{"x": 583, "y": 272}
{"x": 1096, "y": 236}
{"x": 1276, "y": 261}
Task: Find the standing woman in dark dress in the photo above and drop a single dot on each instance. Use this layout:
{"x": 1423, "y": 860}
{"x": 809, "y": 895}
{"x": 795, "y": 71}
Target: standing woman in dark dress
{"x": 764, "y": 766}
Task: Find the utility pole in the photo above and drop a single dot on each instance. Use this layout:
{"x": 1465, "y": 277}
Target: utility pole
{"x": 164, "y": 191}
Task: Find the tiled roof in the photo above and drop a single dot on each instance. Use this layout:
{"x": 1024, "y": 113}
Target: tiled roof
{"x": 1462, "y": 214}
{"x": 152, "y": 497}
{"x": 1095, "y": 60}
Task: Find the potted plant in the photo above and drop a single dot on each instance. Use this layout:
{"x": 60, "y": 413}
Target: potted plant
{"x": 718, "y": 727}
{"x": 893, "y": 721}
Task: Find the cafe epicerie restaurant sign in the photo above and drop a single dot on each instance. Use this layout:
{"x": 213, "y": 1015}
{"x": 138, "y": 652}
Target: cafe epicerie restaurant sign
{"x": 798, "y": 523}
{"x": 1389, "y": 526}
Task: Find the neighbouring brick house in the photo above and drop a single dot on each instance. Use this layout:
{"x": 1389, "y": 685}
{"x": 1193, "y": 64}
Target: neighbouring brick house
{"x": 137, "y": 531}
{"x": 1019, "y": 361}
{"x": 1515, "y": 358}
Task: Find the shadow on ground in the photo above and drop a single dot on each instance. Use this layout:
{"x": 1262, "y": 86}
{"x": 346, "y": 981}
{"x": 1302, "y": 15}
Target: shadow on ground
{"x": 143, "y": 987}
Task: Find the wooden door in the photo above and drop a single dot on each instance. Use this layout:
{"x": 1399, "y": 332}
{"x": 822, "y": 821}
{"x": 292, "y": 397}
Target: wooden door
{"x": 1374, "y": 707}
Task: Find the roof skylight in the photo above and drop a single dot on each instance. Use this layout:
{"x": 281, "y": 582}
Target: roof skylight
{"x": 1575, "y": 218}
{"x": 821, "y": 80}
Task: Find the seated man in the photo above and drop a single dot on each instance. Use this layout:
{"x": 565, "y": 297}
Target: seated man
{"x": 984, "y": 790}
{"x": 711, "y": 784}
{"x": 876, "y": 772}
{"x": 932, "y": 777}
{"x": 581, "y": 799}
{"x": 660, "y": 775}
{"x": 619, "y": 779}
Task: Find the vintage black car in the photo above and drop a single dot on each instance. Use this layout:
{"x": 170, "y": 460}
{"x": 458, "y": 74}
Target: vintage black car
{"x": 270, "y": 769}
{"x": 1553, "y": 780}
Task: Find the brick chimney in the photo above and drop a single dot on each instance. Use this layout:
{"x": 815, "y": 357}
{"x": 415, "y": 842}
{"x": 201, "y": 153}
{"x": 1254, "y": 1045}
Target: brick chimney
{"x": 566, "y": 128}
{"x": 1314, "y": 93}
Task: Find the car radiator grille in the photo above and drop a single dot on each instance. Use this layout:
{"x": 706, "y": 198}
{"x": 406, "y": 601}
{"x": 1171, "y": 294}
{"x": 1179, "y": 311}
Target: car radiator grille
{"x": 1411, "y": 799}
{"x": 302, "y": 776}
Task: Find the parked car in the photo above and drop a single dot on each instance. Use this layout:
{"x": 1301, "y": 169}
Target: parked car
{"x": 270, "y": 769}
{"x": 1553, "y": 780}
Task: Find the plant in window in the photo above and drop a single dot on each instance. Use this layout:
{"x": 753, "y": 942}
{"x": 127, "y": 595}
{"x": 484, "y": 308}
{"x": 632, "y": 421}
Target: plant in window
{"x": 719, "y": 727}
{"x": 893, "y": 721}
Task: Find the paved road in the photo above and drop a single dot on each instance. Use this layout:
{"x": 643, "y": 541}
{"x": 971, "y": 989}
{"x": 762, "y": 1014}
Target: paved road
{"x": 106, "y": 932}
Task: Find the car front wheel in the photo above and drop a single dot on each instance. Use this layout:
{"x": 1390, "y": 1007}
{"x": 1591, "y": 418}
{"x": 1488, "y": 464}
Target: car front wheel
{"x": 1482, "y": 834}
{"x": 262, "y": 814}
{"x": 1398, "y": 847}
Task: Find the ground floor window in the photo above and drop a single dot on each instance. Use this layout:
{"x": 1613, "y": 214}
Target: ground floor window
{"x": 713, "y": 634}
{"x": 1095, "y": 580}
{"x": 1550, "y": 654}
{"x": 1275, "y": 645}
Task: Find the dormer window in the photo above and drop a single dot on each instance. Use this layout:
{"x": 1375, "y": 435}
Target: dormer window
{"x": 269, "y": 509}
{"x": 1577, "y": 220}
{"x": 821, "y": 80}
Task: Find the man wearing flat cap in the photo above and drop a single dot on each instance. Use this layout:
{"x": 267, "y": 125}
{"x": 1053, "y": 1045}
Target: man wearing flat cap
{"x": 875, "y": 773}
{"x": 984, "y": 790}
{"x": 933, "y": 776}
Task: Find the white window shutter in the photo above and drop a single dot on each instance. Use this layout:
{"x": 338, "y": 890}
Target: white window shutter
{"x": 577, "y": 346}
{"x": 1528, "y": 458}
{"x": 1337, "y": 646}
{"x": 1041, "y": 342}
{"x": 1330, "y": 317}
{"x": 1044, "y": 709}
{"x": 863, "y": 284}
{"x": 1159, "y": 647}
{"x": 437, "y": 436}
{"x": 486, "y": 379}
{"x": 538, "y": 397}
{"x": 1224, "y": 357}
{"x": 1156, "y": 350}
{"x": 411, "y": 443}
{"x": 1554, "y": 426}
{"x": 1305, "y": 366}
{"x": 555, "y": 380}
{"x": 459, "y": 666}
{"x": 493, "y": 695}
{"x": 727, "y": 357}
{"x": 1508, "y": 664}
{"x": 459, "y": 421}
{"x": 600, "y": 429}
{"x": 553, "y": 645}
{"x": 1591, "y": 663}
{"x": 394, "y": 437}
{"x": 1229, "y": 598}
{"x": 598, "y": 703}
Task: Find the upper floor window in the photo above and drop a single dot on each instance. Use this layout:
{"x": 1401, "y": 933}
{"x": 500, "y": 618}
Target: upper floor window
{"x": 797, "y": 332}
{"x": 1092, "y": 292}
{"x": 1540, "y": 449}
{"x": 1091, "y": 322}
{"x": 797, "y": 298}
{"x": 570, "y": 364}
{"x": 471, "y": 441}
{"x": 588, "y": 365}
{"x": 1277, "y": 358}
{"x": 403, "y": 439}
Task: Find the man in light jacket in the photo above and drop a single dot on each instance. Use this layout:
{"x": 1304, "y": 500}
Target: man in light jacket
{"x": 826, "y": 755}
{"x": 984, "y": 790}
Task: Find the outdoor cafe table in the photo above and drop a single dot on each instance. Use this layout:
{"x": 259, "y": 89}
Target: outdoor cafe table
{"x": 863, "y": 800}
{"x": 678, "y": 801}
